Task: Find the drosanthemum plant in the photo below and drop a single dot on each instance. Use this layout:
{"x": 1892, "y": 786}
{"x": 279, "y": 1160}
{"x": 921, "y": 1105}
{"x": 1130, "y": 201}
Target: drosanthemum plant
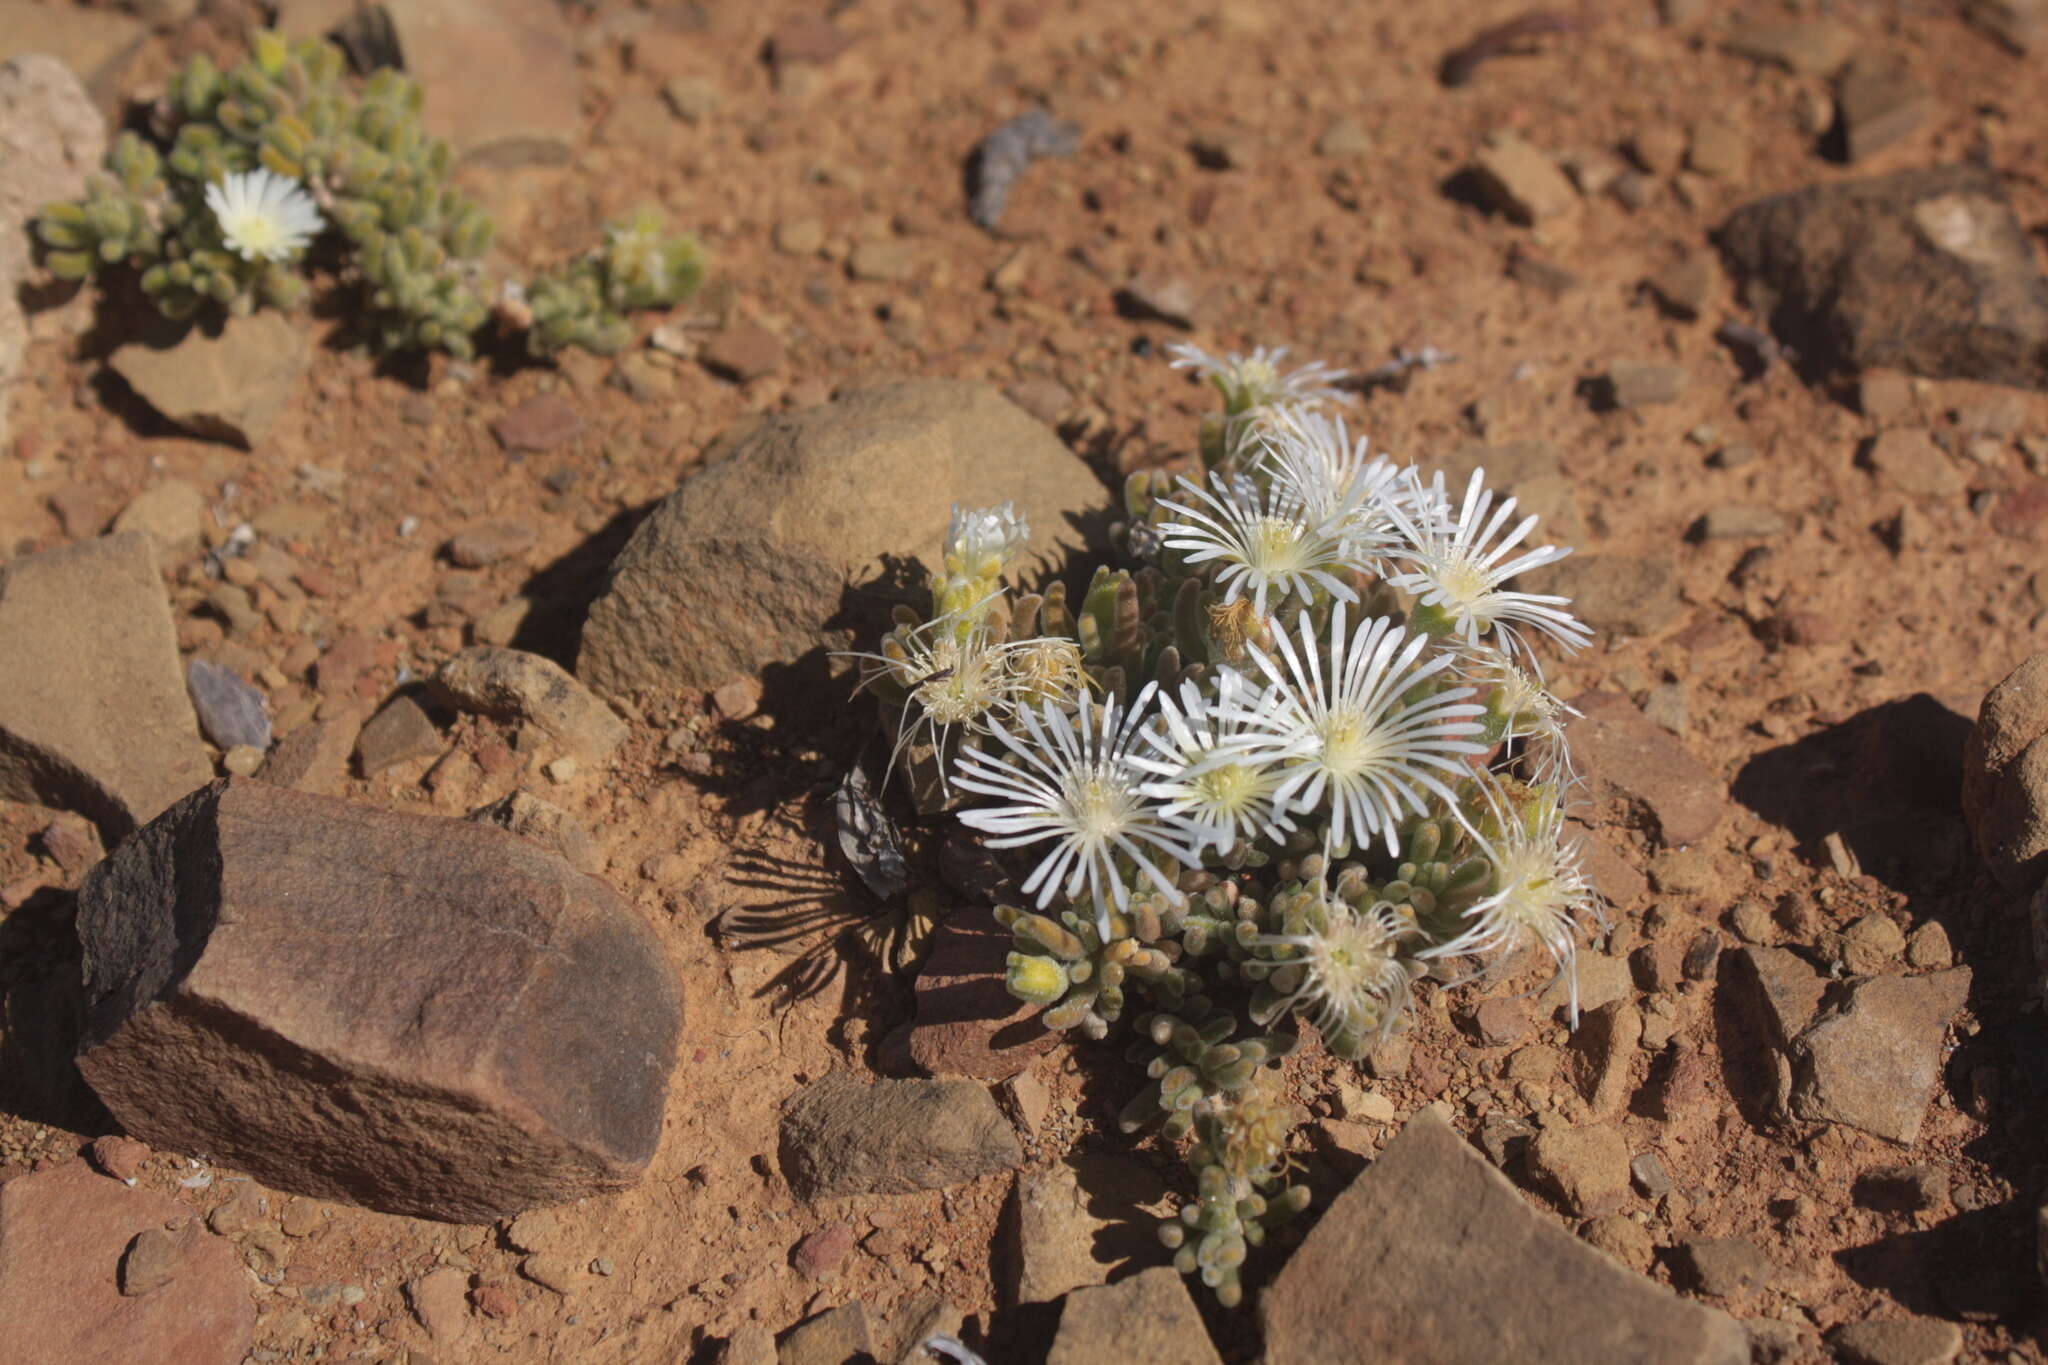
{"x": 1261, "y": 776}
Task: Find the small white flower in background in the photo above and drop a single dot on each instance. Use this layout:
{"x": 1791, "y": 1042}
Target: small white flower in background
{"x": 984, "y": 539}
{"x": 1527, "y": 709}
{"x": 1208, "y": 776}
{"x": 1540, "y": 891}
{"x": 1262, "y": 542}
{"x": 1367, "y": 750}
{"x": 1071, "y": 779}
{"x": 1256, "y": 380}
{"x": 263, "y": 216}
{"x": 1459, "y": 564}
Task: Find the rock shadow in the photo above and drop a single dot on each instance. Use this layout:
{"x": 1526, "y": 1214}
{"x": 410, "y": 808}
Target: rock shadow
{"x": 42, "y": 1017}
{"x": 1888, "y": 780}
{"x": 562, "y": 591}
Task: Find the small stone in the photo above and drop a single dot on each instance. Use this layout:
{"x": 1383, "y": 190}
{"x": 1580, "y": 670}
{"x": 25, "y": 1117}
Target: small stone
{"x": 819, "y": 1255}
{"x": 1643, "y": 385}
{"x": 1221, "y": 150}
{"x": 737, "y": 698}
{"x": 800, "y": 236}
{"x": 1658, "y": 149}
{"x": 1624, "y": 1239}
{"x": 841, "y": 1136}
{"x": 119, "y": 1157}
{"x": 1786, "y": 990}
{"x": 243, "y": 760}
{"x": 1743, "y": 523}
{"x": 1724, "y": 1266}
{"x": 694, "y": 99}
{"x": 490, "y": 542}
{"x": 400, "y": 733}
{"x": 1884, "y": 396}
{"x": 540, "y": 424}
{"x": 1148, "y": 1317}
{"x": 1813, "y": 47}
{"x": 1873, "y": 1061}
{"x": 1168, "y": 298}
{"x": 889, "y": 261}
{"x": 151, "y": 1261}
{"x": 231, "y": 713}
{"x": 1734, "y": 455}
{"x": 439, "y": 1299}
{"x": 232, "y": 386}
{"x": 1604, "y": 1049}
{"x": 1647, "y": 1174}
{"x": 1345, "y": 139}
{"x": 510, "y": 684}
{"x": 1928, "y": 947}
{"x": 302, "y": 1218}
{"x": 1586, "y": 1167}
{"x": 169, "y": 514}
{"x": 837, "y": 1337}
{"x": 1046, "y": 399}
{"x": 1871, "y": 944}
{"x": 1500, "y": 1021}
{"x": 1628, "y": 595}
{"x": 744, "y": 351}
{"x": 1752, "y": 922}
{"x": 1684, "y": 286}
{"x": 1913, "y": 1188}
{"x": 1718, "y": 150}
{"x": 1631, "y": 760}
{"x": 1897, "y": 1341}
{"x": 552, "y": 1272}
{"x": 1521, "y": 181}
{"x": 1880, "y": 103}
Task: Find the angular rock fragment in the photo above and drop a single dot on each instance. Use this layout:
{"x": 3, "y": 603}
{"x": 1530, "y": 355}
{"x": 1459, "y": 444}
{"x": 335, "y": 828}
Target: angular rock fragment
{"x": 1629, "y": 759}
{"x": 93, "y": 711}
{"x": 968, "y": 1023}
{"x": 1521, "y": 181}
{"x": 231, "y": 712}
{"x": 419, "y": 1015}
{"x": 1873, "y": 1061}
{"x": 842, "y": 1136}
{"x": 1077, "y": 1221}
{"x": 1879, "y": 103}
{"x": 231, "y": 385}
{"x": 1926, "y": 271}
{"x": 759, "y": 557}
{"x": 2005, "y": 776}
{"x": 1147, "y": 1317}
{"x": 1432, "y": 1258}
{"x": 511, "y": 684}
{"x": 72, "y": 1281}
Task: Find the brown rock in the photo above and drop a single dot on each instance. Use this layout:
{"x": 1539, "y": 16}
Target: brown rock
{"x": 1147, "y": 1317}
{"x": 66, "y": 1239}
{"x": 833, "y": 1338}
{"x": 1629, "y": 595}
{"x": 440, "y": 1300}
{"x": 1787, "y": 990}
{"x": 168, "y": 513}
{"x": 503, "y": 73}
{"x": 1644, "y": 385}
{"x": 511, "y": 684}
{"x": 1075, "y": 1223}
{"x": 1873, "y": 1061}
{"x": 1684, "y": 286}
{"x": 314, "y": 758}
{"x": 968, "y": 1023}
{"x": 819, "y": 1255}
{"x": 2005, "y": 776}
{"x": 841, "y": 1136}
{"x": 1879, "y": 104}
{"x": 1586, "y": 1167}
{"x": 473, "y": 1026}
{"x": 747, "y": 561}
{"x": 1603, "y": 1050}
{"x": 1897, "y": 1341}
{"x": 1811, "y": 47}
{"x": 1462, "y": 1269}
{"x": 744, "y": 351}
{"x": 399, "y": 733}
{"x": 94, "y": 716}
{"x": 1524, "y": 183}
{"x": 491, "y": 542}
{"x": 231, "y": 385}
{"x": 1628, "y": 759}
{"x": 542, "y": 423}
{"x": 119, "y": 1157}
{"x": 1923, "y": 271}
{"x": 1724, "y": 1266}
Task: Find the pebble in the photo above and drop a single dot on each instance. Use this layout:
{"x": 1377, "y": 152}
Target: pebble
{"x": 1586, "y": 1167}
{"x": 244, "y": 760}
{"x": 1722, "y": 1266}
{"x": 693, "y": 98}
{"x": 1874, "y": 1061}
{"x": 744, "y": 351}
{"x": 1743, "y": 523}
{"x": 490, "y": 542}
{"x": 819, "y": 1256}
{"x": 1346, "y": 139}
{"x": 437, "y": 1300}
{"x": 887, "y": 261}
{"x": 151, "y": 1261}
{"x": 799, "y": 236}
{"x": 1718, "y": 150}
{"x": 542, "y": 423}
{"x": 1897, "y": 1341}
{"x": 1521, "y": 181}
{"x": 1167, "y": 297}
{"x": 1624, "y": 1239}
{"x": 1907, "y": 459}
{"x": 1880, "y": 103}
{"x": 1644, "y": 385}
{"x": 562, "y": 770}
{"x": 552, "y": 1272}
{"x": 231, "y": 713}
{"x": 1813, "y": 47}
{"x": 302, "y": 1218}
{"x": 1684, "y": 286}
{"x": 402, "y": 731}
{"x": 1647, "y": 1174}
{"x": 1658, "y": 150}
{"x": 231, "y": 603}
{"x": 1928, "y": 947}
{"x": 1871, "y": 944}
{"x": 1752, "y": 922}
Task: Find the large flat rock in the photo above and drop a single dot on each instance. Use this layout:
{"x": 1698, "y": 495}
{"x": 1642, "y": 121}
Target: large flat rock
{"x": 93, "y": 711}
{"x": 1433, "y": 1258}
{"x": 420, "y": 1015}
{"x": 750, "y": 561}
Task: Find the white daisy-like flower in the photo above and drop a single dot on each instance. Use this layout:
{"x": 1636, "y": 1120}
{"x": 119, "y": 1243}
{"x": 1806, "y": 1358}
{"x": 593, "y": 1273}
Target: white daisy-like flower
{"x": 1365, "y": 748}
{"x": 1459, "y": 565}
{"x": 1262, "y": 540}
{"x": 1257, "y": 381}
{"x": 1311, "y": 460}
{"x": 262, "y": 215}
{"x": 950, "y": 680}
{"x": 1206, "y": 776}
{"x": 984, "y": 539}
{"x": 1540, "y": 892}
{"x": 1518, "y": 703}
{"x": 1070, "y": 779}
{"x": 1351, "y": 977}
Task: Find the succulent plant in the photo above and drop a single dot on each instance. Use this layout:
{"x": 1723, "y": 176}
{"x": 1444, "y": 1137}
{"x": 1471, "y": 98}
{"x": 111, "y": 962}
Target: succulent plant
{"x": 286, "y": 133}
{"x": 1285, "y": 756}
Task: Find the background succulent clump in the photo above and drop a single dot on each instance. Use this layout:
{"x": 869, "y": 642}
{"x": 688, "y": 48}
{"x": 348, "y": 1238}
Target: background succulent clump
{"x": 249, "y": 168}
{"x": 1266, "y": 772}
